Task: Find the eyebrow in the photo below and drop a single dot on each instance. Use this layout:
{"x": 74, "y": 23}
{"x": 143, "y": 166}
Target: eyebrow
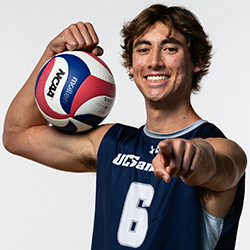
{"x": 165, "y": 41}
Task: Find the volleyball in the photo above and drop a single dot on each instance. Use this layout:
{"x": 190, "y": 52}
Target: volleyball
{"x": 75, "y": 91}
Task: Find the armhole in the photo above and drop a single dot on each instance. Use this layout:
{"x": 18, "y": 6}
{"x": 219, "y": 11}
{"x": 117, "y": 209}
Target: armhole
{"x": 109, "y": 127}
{"x": 212, "y": 230}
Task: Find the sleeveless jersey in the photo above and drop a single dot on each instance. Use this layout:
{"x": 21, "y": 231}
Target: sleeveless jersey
{"x": 136, "y": 210}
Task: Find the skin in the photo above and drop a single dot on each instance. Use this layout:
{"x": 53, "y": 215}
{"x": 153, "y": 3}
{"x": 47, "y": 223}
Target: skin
{"x": 215, "y": 163}
{"x": 155, "y": 54}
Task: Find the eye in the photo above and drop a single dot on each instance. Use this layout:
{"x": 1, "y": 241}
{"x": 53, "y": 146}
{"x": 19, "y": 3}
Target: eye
{"x": 142, "y": 50}
{"x": 170, "y": 50}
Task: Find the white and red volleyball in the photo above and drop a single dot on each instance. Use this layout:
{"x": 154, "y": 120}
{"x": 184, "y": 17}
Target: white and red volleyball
{"x": 75, "y": 91}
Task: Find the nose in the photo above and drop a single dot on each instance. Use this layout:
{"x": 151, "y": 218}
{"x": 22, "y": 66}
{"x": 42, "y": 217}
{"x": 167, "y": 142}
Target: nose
{"x": 155, "y": 60}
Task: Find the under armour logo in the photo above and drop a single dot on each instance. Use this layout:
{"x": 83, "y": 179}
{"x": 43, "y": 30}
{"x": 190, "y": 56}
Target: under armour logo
{"x": 154, "y": 150}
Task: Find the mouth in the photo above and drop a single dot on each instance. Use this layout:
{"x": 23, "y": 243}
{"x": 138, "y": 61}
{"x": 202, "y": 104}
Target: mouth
{"x": 157, "y": 78}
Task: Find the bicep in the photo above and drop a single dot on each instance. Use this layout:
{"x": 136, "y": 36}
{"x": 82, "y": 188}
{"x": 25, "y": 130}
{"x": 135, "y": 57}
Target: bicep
{"x": 230, "y": 163}
{"x": 230, "y": 166}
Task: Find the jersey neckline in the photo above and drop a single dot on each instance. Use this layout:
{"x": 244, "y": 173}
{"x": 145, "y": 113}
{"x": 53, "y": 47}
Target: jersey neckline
{"x": 175, "y": 134}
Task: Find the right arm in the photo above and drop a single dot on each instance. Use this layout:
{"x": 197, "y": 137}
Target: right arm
{"x": 28, "y": 134}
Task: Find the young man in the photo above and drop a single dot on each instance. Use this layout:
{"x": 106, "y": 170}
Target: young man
{"x": 175, "y": 183}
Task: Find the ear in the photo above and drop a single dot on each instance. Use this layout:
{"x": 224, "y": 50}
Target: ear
{"x": 130, "y": 68}
{"x": 196, "y": 69}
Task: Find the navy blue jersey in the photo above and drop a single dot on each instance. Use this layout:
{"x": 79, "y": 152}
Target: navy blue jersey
{"x": 136, "y": 210}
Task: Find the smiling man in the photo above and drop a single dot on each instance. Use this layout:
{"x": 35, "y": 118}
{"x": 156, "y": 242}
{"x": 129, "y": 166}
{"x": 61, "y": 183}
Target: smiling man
{"x": 163, "y": 71}
{"x": 176, "y": 182}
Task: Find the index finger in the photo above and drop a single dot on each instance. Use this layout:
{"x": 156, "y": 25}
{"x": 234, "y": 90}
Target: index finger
{"x": 86, "y": 36}
{"x": 165, "y": 150}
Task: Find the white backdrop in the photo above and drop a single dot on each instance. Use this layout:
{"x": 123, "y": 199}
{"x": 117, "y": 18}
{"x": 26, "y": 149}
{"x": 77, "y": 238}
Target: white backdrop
{"x": 42, "y": 208}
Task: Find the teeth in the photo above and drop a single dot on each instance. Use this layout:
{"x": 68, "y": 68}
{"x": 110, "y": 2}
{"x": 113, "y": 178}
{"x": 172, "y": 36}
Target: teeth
{"x": 157, "y": 78}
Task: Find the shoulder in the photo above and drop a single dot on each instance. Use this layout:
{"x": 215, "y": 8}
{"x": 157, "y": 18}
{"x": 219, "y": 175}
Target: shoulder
{"x": 207, "y": 129}
{"x": 118, "y": 131}
{"x": 120, "y": 137}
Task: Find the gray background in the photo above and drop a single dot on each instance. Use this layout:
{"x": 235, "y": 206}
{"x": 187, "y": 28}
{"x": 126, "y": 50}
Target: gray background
{"x": 42, "y": 208}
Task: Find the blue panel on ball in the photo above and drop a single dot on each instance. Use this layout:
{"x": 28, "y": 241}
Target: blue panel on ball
{"x": 91, "y": 120}
{"x": 70, "y": 127}
{"x": 78, "y": 72}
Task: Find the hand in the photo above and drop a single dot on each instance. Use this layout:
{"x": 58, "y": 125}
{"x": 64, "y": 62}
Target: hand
{"x": 176, "y": 158}
{"x": 79, "y": 36}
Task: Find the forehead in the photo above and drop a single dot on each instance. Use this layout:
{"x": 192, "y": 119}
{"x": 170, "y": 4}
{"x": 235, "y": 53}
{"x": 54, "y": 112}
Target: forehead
{"x": 160, "y": 31}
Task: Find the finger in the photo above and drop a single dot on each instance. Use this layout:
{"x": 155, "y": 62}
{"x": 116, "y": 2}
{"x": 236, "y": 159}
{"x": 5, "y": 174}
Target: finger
{"x": 59, "y": 43}
{"x": 162, "y": 160}
{"x": 166, "y": 178}
{"x": 160, "y": 169}
{"x": 86, "y": 36}
{"x": 187, "y": 159}
{"x": 92, "y": 33}
{"x": 165, "y": 150}
{"x": 91, "y": 40}
{"x": 194, "y": 163}
{"x": 78, "y": 37}
{"x": 65, "y": 40}
{"x": 98, "y": 51}
{"x": 70, "y": 40}
{"x": 178, "y": 150}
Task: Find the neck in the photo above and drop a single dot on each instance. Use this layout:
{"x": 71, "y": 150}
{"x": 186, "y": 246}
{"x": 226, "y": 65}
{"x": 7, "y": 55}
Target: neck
{"x": 170, "y": 119}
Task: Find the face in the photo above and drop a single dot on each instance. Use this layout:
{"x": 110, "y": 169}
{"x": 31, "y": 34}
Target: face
{"x": 161, "y": 65}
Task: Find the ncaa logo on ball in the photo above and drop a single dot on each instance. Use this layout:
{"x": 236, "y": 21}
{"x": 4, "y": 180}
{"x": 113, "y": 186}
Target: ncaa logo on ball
{"x": 75, "y": 91}
{"x": 54, "y": 83}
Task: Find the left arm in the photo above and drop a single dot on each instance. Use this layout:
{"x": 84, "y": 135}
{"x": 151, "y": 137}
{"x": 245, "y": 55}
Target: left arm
{"x": 214, "y": 163}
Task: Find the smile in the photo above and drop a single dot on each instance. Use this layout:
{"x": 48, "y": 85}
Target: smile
{"x": 157, "y": 78}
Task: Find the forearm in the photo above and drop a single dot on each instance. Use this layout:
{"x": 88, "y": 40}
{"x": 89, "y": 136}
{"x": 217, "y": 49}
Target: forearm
{"x": 23, "y": 112}
{"x": 221, "y": 166}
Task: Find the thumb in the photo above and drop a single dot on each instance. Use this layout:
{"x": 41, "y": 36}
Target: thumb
{"x": 98, "y": 51}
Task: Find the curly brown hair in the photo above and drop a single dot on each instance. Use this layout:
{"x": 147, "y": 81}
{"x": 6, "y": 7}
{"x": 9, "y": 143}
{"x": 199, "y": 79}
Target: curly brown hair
{"x": 177, "y": 18}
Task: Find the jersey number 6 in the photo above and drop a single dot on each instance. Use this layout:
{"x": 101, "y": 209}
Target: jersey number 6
{"x": 134, "y": 220}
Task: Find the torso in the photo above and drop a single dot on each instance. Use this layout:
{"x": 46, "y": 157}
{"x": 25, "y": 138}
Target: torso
{"x": 134, "y": 208}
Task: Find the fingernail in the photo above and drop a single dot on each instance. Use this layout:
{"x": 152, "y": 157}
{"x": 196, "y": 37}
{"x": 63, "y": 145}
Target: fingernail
{"x": 97, "y": 51}
{"x": 166, "y": 178}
